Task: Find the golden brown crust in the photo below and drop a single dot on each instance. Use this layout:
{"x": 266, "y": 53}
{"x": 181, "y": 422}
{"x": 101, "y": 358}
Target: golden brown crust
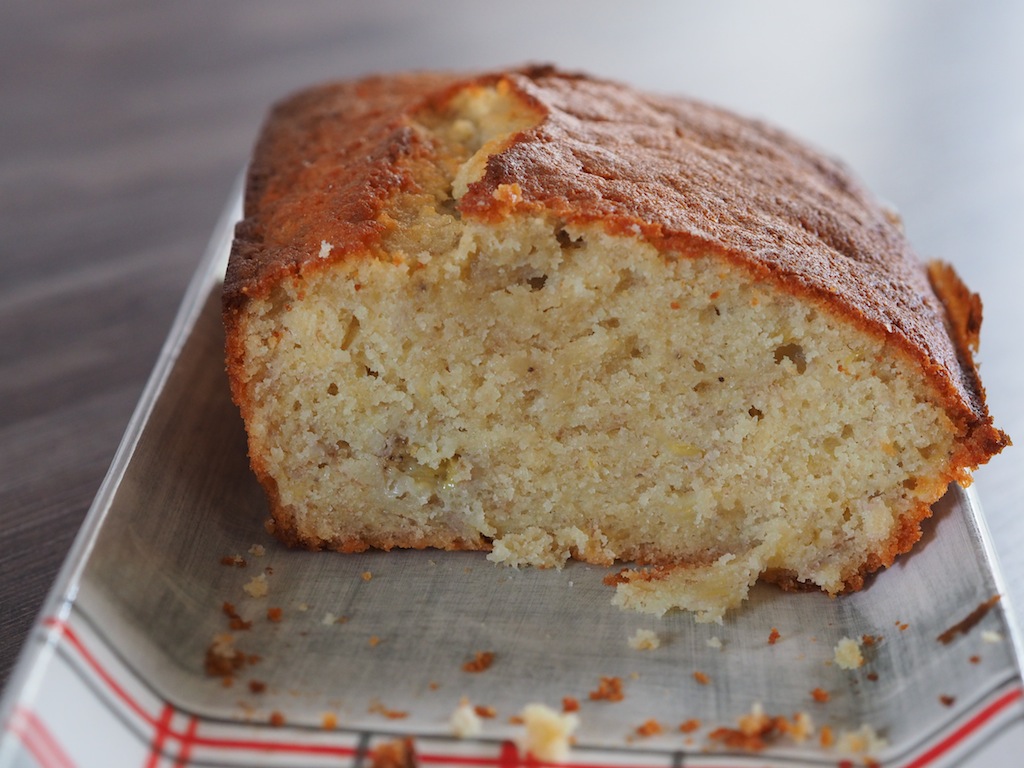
{"x": 963, "y": 324}
{"x": 693, "y": 179}
{"x": 282, "y": 527}
{"x": 326, "y": 164}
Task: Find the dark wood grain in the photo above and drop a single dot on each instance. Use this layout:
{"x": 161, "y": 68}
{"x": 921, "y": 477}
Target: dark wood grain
{"x": 124, "y": 124}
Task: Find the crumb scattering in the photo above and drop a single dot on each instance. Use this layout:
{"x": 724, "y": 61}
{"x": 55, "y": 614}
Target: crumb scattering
{"x": 847, "y": 654}
{"x": 773, "y": 636}
{"x": 826, "y": 738}
{"x": 756, "y": 729}
{"x": 701, "y": 678}
{"x": 820, "y": 695}
{"x": 649, "y": 728}
{"x": 257, "y": 686}
{"x": 235, "y": 621}
{"x": 257, "y": 550}
{"x": 608, "y": 689}
{"x": 689, "y": 726}
{"x": 714, "y": 642}
{"x": 991, "y": 636}
{"x": 222, "y": 658}
{"x": 486, "y": 712}
{"x": 946, "y": 700}
{"x": 968, "y": 623}
{"x": 644, "y": 640}
{"x": 465, "y": 723}
{"x": 377, "y": 708}
{"x": 570, "y": 704}
{"x": 397, "y": 753}
{"x": 367, "y": 575}
{"x": 276, "y": 719}
{"x": 862, "y": 741}
{"x": 329, "y": 721}
{"x": 481, "y": 662}
{"x": 548, "y": 733}
{"x": 257, "y": 586}
{"x": 274, "y": 615}
{"x": 236, "y": 561}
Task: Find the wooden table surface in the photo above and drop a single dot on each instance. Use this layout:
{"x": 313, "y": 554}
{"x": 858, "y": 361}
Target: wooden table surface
{"x": 124, "y": 124}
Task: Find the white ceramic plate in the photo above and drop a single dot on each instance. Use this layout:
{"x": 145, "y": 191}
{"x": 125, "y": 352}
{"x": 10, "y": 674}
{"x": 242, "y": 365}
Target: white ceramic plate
{"x": 114, "y": 672}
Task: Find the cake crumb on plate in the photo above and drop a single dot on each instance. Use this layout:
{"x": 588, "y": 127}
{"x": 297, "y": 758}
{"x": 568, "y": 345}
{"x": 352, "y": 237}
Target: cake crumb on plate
{"x": 465, "y": 723}
{"x": 644, "y": 640}
{"x": 847, "y": 654}
{"x": 548, "y": 733}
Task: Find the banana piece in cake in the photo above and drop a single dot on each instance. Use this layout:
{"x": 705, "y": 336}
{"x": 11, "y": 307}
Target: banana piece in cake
{"x": 554, "y": 317}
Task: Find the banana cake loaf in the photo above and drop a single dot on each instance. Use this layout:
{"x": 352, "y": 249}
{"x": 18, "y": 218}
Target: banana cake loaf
{"x": 551, "y": 316}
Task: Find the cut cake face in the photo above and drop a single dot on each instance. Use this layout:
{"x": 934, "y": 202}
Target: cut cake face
{"x": 552, "y": 317}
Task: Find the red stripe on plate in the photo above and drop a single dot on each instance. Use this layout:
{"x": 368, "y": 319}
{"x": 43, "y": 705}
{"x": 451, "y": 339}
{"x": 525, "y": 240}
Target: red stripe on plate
{"x": 161, "y": 732}
{"x": 100, "y": 671}
{"x": 186, "y": 742}
{"x": 965, "y": 730}
{"x": 270, "y": 746}
{"x": 38, "y": 740}
{"x": 509, "y": 757}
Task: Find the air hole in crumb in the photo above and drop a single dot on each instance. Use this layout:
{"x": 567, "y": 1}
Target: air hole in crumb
{"x": 611, "y": 322}
{"x": 449, "y": 206}
{"x": 910, "y": 483}
{"x": 332, "y": 389}
{"x": 627, "y": 279}
{"x": 757, "y": 413}
{"x": 709, "y": 313}
{"x": 350, "y": 332}
{"x": 371, "y": 372}
{"x": 536, "y": 283}
{"x": 697, "y": 364}
{"x": 566, "y": 242}
{"x": 847, "y": 432}
{"x": 792, "y": 352}
{"x": 296, "y": 406}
